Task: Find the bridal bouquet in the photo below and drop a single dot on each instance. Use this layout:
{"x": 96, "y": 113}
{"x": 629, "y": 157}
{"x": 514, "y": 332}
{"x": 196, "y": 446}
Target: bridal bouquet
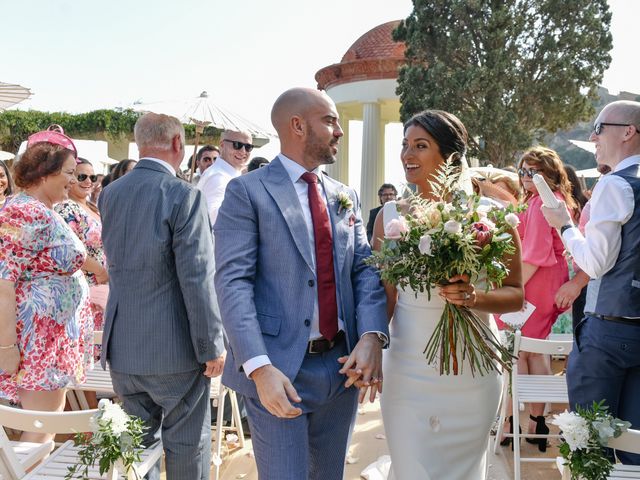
{"x": 439, "y": 239}
{"x": 586, "y": 433}
{"x": 115, "y": 440}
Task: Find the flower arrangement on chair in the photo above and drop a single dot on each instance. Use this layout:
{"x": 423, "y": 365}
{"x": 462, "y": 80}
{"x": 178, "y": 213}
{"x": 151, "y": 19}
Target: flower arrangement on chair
{"x": 450, "y": 235}
{"x": 115, "y": 442}
{"x": 586, "y": 433}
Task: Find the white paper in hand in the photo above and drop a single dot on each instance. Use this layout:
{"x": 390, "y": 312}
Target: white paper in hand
{"x": 546, "y": 195}
{"x": 518, "y": 319}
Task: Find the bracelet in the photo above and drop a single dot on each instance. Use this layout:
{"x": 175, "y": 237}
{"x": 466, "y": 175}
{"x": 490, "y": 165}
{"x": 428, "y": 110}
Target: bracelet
{"x": 8, "y": 347}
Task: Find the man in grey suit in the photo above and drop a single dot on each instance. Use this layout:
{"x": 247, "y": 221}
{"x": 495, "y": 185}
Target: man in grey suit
{"x": 297, "y": 301}
{"x": 163, "y": 336}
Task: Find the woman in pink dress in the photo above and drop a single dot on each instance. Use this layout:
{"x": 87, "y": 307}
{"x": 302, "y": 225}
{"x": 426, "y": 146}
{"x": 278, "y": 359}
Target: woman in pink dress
{"x": 46, "y": 326}
{"x": 544, "y": 267}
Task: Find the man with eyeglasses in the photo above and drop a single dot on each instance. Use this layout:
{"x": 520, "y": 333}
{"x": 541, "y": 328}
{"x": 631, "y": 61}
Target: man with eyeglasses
{"x": 386, "y": 193}
{"x": 235, "y": 148}
{"x": 605, "y": 361}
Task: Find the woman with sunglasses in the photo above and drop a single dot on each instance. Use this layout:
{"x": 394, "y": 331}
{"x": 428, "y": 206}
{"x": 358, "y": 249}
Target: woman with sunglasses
{"x": 84, "y": 219}
{"x": 46, "y": 325}
{"x": 6, "y": 184}
{"x": 544, "y": 268}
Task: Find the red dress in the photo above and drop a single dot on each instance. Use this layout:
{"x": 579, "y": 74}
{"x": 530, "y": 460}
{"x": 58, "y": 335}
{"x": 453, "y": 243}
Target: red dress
{"x": 42, "y": 256}
{"x": 541, "y": 246}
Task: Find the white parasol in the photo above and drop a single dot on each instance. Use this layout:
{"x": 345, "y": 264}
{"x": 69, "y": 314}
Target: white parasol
{"x": 202, "y": 111}
{"x": 11, "y": 94}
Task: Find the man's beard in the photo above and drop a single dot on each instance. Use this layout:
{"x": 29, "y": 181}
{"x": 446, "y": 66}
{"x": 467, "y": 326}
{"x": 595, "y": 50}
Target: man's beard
{"x": 319, "y": 151}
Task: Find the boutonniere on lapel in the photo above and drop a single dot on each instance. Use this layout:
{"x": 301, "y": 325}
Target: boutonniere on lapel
{"x": 344, "y": 202}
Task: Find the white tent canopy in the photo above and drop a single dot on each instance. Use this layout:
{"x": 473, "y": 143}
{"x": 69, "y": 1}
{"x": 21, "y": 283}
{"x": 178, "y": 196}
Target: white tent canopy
{"x": 93, "y": 150}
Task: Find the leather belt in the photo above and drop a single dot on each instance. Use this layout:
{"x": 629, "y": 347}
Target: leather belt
{"x": 624, "y": 320}
{"x": 322, "y": 345}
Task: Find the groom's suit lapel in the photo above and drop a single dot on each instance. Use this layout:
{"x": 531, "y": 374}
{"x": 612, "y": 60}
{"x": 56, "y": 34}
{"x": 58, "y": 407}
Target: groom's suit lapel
{"x": 279, "y": 186}
{"x": 340, "y": 231}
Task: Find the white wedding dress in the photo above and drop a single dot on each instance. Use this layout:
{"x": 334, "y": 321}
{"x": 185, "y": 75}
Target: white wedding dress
{"x": 437, "y": 426}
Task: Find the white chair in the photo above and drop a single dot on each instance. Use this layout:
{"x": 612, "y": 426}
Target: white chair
{"x": 56, "y": 465}
{"x": 629, "y": 441}
{"x": 532, "y": 389}
{"x": 99, "y": 380}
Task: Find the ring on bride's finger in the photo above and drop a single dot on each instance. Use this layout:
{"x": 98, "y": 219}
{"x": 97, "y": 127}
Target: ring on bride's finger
{"x": 466, "y": 296}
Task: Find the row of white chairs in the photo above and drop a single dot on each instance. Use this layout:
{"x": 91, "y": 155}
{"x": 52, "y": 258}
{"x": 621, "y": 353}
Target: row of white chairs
{"x": 98, "y": 380}
{"x": 550, "y": 389}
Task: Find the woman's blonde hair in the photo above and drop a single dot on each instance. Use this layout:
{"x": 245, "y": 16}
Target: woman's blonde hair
{"x": 549, "y": 165}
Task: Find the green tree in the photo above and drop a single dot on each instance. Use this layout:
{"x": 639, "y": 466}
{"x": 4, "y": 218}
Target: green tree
{"x": 512, "y": 70}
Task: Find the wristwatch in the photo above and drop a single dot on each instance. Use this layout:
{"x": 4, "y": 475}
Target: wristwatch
{"x": 566, "y": 227}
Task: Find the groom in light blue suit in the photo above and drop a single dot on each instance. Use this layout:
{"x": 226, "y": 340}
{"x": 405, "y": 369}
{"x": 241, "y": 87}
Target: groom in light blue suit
{"x": 301, "y": 387}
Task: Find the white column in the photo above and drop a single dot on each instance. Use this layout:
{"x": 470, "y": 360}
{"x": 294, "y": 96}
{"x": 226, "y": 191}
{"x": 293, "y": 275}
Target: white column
{"x": 340, "y": 170}
{"x": 372, "y": 173}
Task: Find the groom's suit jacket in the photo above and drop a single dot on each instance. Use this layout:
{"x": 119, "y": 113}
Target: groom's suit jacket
{"x": 161, "y": 316}
{"x": 265, "y": 276}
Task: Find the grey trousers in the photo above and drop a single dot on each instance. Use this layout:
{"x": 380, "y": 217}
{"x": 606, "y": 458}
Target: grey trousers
{"x": 176, "y": 408}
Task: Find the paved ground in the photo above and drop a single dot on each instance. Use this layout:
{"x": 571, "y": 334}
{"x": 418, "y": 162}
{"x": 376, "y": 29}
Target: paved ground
{"x": 368, "y": 444}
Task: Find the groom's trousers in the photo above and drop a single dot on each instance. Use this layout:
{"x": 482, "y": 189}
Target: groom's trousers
{"x": 177, "y": 408}
{"x": 314, "y": 445}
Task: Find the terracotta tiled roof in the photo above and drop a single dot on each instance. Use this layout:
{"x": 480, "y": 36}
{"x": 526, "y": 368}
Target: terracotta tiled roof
{"x": 376, "y": 43}
{"x": 373, "y": 56}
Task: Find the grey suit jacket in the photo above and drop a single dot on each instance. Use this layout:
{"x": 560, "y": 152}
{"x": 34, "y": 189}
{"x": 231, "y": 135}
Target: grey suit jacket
{"x": 161, "y": 316}
{"x": 265, "y": 278}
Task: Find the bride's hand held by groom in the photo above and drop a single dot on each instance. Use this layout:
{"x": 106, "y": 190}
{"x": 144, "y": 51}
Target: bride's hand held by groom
{"x": 275, "y": 390}
{"x": 363, "y": 367}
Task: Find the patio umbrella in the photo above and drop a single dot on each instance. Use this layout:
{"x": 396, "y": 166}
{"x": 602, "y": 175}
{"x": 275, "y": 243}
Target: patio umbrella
{"x": 202, "y": 111}
{"x": 10, "y": 94}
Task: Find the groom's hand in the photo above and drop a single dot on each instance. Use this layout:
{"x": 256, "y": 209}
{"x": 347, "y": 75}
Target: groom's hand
{"x": 364, "y": 367}
{"x": 273, "y": 389}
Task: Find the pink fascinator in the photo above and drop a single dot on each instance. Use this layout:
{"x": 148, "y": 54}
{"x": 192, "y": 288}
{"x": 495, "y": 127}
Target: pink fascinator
{"x": 54, "y": 135}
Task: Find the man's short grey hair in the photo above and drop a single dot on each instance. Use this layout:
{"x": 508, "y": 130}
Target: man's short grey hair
{"x": 154, "y": 130}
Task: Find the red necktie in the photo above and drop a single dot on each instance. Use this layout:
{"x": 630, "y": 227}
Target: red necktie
{"x": 327, "y": 305}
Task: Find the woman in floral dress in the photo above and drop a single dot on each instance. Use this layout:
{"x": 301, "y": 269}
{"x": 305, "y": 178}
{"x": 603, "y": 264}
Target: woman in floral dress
{"x": 46, "y": 326}
{"x": 84, "y": 220}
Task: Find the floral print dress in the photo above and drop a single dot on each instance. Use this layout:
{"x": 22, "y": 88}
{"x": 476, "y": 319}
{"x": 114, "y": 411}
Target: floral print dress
{"x": 89, "y": 231}
{"x": 42, "y": 256}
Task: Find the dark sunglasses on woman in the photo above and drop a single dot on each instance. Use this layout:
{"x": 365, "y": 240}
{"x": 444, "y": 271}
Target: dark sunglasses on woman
{"x": 83, "y": 176}
{"x": 529, "y": 173}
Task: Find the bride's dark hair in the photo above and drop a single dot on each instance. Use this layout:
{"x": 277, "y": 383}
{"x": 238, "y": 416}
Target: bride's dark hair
{"x": 446, "y": 129}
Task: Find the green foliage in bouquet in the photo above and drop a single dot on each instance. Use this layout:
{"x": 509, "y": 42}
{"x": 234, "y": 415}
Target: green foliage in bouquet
{"x": 116, "y": 439}
{"x": 586, "y": 433}
{"x": 454, "y": 234}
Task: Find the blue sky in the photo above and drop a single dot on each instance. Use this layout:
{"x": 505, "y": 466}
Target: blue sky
{"x": 79, "y": 55}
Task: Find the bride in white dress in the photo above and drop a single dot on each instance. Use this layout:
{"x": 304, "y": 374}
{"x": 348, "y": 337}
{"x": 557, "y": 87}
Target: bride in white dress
{"x": 437, "y": 426}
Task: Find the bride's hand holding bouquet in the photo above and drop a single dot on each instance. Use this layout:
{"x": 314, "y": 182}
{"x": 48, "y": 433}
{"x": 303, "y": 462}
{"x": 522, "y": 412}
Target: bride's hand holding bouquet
{"x": 446, "y": 242}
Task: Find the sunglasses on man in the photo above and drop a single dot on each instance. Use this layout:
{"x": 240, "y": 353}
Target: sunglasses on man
{"x": 83, "y": 176}
{"x": 529, "y": 173}
{"x": 239, "y": 145}
{"x": 597, "y": 128}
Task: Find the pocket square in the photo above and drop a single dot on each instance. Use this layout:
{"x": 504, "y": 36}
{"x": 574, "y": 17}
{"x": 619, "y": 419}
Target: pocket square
{"x": 352, "y": 220}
